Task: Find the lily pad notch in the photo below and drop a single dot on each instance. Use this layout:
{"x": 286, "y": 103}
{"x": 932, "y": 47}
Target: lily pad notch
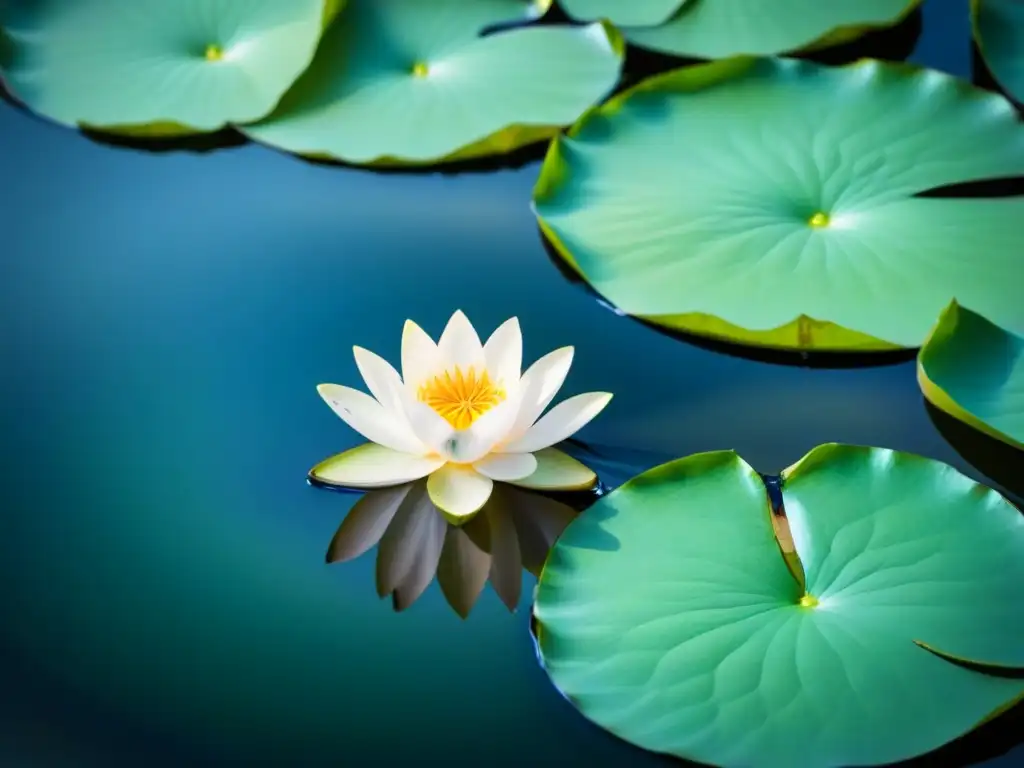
{"x": 778, "y": 203}
{"x": 693, "y": 637}
{"x": 389, "y": 89}
{"x": 973, "y": 370}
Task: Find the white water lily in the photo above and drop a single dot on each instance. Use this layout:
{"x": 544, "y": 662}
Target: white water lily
{"x": 461, "y": 413}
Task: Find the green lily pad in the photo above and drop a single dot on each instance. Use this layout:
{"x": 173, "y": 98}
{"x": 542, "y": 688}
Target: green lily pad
{"x": 514, "y": 531}
{"x": 158, "y": 68}
{"x": 974, "y": 371}
{"x": 635, "y": 13}
{"x": 999, "y": 33}
{"x": 406, "y": 82}
{"x": 776, "y": 202}
{"x": 717, "y": 29}
{"x": 690, "y": 636}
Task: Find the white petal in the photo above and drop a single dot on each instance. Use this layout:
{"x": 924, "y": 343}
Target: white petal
{"x": 427, "y": 424}
{"x": 420, "y": 358}
{"x": 381, "y": 379}
{"x": 458, "y": 491}
{"x": 370, "y": 419}
{"x": 484, "y": 434}
{"x": 373, "y": 466}
{"x": 557, "y": 471}
{"x": 459, "y": 345}
{"x": 560, "y": 422}
{"x": 539, "y": 386}
{"x": 503, "y": 353}
{"x": 506, "y": 466}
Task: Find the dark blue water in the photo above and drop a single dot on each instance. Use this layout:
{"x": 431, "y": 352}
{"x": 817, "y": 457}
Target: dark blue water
{"x": 164, "y": 319}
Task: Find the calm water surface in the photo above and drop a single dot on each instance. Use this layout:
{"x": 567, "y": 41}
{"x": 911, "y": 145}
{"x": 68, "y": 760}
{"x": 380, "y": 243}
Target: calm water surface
{"x": 164, "y": 319}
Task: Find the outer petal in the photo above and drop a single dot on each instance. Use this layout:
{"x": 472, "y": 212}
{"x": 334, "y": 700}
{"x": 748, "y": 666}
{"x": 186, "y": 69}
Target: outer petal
{"x": 373, "y": 466}
{"x": 558, "y": 471}
{"x": 370, "y": 419}
{"x": 503, "y": 352}
{"x": 485, "y": 433}
{"x": 560, "y": 422}
{"x": 420, "y": 358}
{"x": 381, "y": 379}
{"x": 458, "y": 492}
{"x": 506, "y": 466}
{"x": 459, "y": 344}
{"x": 539, "y": 386}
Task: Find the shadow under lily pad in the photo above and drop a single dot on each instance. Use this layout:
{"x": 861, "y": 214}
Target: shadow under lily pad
{"x": 1000, "y": 462}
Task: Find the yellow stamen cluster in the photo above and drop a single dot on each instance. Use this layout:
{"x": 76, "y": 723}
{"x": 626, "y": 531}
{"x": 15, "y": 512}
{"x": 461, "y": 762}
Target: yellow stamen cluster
{"x": 461, "y": 397}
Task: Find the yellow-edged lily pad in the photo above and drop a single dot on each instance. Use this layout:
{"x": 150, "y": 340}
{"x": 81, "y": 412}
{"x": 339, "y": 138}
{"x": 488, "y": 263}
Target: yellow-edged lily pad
{"x": 777, "y": 202}
{"x": 692, "y": 635}
{"x": 157, "y": 68}
{"x": 717, "y": 29}
{"x": 413, "y": 82}
{"x": 974, "y": 370}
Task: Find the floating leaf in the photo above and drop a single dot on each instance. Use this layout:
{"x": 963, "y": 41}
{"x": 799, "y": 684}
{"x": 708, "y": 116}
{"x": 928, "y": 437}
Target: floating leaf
{"x": 413, "y": 82}
{"x": 154, "y": 68}
{"x": 974, "y": 371}
{"x": 636, "y": 13}
{"x": 722, "y": 28}
{"x": 999, "y": 33}
{"x": 691, "y": 636}
{"x": 776, "y": 202}
{"x": 716, "y": 29}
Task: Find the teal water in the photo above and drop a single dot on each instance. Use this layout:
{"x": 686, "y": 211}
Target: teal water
{"x": 164, "y": 320}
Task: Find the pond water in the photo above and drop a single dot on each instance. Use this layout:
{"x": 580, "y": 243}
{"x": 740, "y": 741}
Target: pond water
{"x": 164, "y": 320}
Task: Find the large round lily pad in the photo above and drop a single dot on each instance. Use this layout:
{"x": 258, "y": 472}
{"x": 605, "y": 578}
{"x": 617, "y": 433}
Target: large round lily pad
{"x": 974, "y": 371}
{"x": 776, "y": 202}
{"x": 155, "y": 67}
{"x": 689, "y": 635}
{"x": 636, "y": 13}
{"x": 999, "y": 32}
{"x": 415, "y": 81}
{"x": 716, "y": 29}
